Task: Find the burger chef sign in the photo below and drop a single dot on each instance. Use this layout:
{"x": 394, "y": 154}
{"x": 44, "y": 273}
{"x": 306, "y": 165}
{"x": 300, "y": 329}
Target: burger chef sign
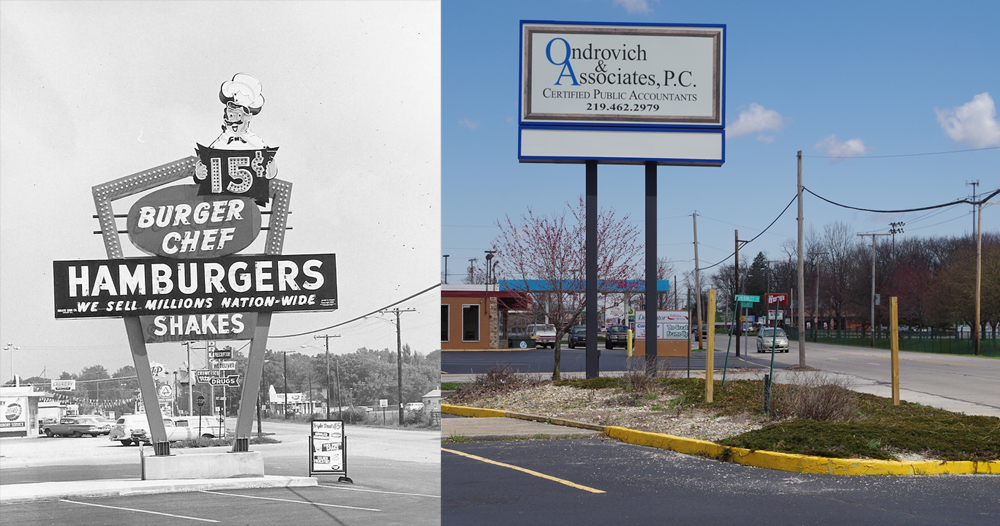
{"x": 195, "y": 284}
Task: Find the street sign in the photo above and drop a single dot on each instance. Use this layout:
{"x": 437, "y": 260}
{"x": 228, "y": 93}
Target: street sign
{"x": 227, "y": 365}
{"x": 746, "y": 298}
{"x": 225, "y": 354}
{"x": 746, "y": 304}
{"x": 232, "y": 380}
{"x": 383, "y": 402}
{"x": 200, "y": 400}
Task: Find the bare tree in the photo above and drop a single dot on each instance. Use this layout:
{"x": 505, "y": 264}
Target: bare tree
{"x": 548, "y": 255}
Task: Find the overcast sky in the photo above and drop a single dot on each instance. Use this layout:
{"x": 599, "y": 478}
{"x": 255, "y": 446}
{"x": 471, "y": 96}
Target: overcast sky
{"x": 877, "y": 84}
{"x": 97, "y": 91}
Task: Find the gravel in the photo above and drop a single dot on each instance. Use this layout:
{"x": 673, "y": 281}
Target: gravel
{"x": 609, "y": 407}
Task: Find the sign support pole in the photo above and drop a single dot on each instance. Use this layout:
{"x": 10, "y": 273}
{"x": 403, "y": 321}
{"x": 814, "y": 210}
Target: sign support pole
{"x": 593, "y": 354}
{"x": 651, "y": 318}
{"x": 147, "y": 386}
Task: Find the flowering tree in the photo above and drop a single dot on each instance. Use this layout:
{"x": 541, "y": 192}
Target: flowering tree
{"x": 548, "y": 253}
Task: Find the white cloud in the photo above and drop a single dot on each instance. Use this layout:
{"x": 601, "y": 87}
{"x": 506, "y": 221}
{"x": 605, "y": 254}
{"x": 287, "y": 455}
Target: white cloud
{"x": 470, "y": 124}
{"x": 634, "y": 6}
{"x": 848, "y": 148}
{"x": 756, "y": 119}
{"x": 973, "y": 123}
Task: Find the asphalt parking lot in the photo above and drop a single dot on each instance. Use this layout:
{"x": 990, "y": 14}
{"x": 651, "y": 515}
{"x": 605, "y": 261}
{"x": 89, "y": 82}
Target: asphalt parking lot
{"x": 602, "y": 481}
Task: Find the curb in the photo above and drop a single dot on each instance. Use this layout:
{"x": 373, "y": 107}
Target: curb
{"x": 125, "y": 487}
{"x": 791, "y": 462}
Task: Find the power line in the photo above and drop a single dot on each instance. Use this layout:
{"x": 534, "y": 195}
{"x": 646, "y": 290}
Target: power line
{"x": 428, "y": 289}
{"x": 768, "y": 227}
{"x": 899, "y": 155}
{"x": 956, "y": 202}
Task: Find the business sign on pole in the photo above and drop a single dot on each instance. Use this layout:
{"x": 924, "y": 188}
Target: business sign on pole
{"x": 622, "y": 93}
{"x": 63, "y": 385}
{"x": 221, "y": 354}
{"x": 670, "y": 325}
{"x": 230, "y": 380}
{"x": 225, "y": 365}
{"x": 161, "y": 286}
{"x": 165, "y": 392}
{"x": 777, "y": 298}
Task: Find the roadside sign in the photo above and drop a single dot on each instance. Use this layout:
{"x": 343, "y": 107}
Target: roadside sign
{"x": 63, "y": 385}
{"x": 328, "y": 448}
{"x": 200, "y": 400}
{"x": 165, "y": 392}
{"x": 225, "y": 354}
{"x": 232, "y": 380}
{"x": 383, "y": 402}
{"x": 208, "y": 372}
{"x": 746, "y": 298}
{"x": 746, "y": 304}
{"x": 778, "y": 298}
{"x": 227, "y": 365}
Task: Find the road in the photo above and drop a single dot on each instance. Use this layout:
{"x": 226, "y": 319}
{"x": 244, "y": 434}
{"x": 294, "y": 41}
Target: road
{"x": 640, "y": 485}
{"x": 396, "y": 472}
{"x": 969, "y": 384}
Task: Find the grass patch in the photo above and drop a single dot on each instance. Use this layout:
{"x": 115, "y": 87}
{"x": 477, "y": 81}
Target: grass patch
{"x": 449, "y": 386}
{"x": 879, "y": 430}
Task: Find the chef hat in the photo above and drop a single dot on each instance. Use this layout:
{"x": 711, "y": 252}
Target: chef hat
{"x": 243, "y": 90}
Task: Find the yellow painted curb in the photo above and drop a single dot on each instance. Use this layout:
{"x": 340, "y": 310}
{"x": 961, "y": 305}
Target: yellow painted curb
{"x": 801, "y": 463}
{"x": 461, "y": 410}
{"x": 762, "y": 459}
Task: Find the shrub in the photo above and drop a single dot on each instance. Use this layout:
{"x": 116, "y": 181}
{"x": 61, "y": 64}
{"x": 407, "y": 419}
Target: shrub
{"x": 820, "y": 397}
{"x": 494, "y": 382}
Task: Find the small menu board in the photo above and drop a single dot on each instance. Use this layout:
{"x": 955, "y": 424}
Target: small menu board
{"x": 328, "y": 447}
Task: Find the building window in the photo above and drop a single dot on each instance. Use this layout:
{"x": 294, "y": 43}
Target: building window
{"x": 445, "y": 319}
{"x": 470, "y": 323}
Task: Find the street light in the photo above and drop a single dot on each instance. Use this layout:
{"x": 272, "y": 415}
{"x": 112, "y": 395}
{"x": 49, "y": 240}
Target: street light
{"x": 446, "y": 256}
{"x": 13, "y": 377}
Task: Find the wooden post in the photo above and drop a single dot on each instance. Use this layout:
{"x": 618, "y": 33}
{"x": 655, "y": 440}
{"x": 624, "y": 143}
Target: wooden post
{"x": 710, "y": 351}
{"x": 894, "y": 339}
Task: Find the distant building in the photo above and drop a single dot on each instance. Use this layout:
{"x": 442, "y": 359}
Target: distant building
{"x": 19, "y": 411}
{"x": 473, "y": 317}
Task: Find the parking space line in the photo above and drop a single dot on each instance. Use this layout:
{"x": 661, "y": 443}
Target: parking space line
{"x": 289, "y": 500}
{"x": 137, "y": 510}
{"x": 346, "y": 488}
{"x": 524, "y": 470}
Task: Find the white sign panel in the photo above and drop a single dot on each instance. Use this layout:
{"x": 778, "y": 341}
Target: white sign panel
{"x": 328, "y": 447}
{"x": 63, "y": 385}
{"x": 13, "y": 414}
{"x": 670, "y": 325}
{"x": 613, "y": 75}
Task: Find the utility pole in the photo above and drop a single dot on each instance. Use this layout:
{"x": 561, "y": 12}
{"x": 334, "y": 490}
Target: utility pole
{"x": 974, "y": 184}
{"x": 737, "y": 323}
{"x": 472, "y": 270}
{"x": 339, "y": 404}
{"x": 399, "y": 358}
{"x": 895, "y": 228}
{"x": 446, "y": 256}
{"x": 873, "y": 284}
{"x": 697, "y": 286}
{"x": 816, "y": 301}
{"x": 801, "y": 273}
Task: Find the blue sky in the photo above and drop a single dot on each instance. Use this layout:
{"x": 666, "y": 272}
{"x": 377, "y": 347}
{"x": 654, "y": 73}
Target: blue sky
{"x": 867, "y": 81}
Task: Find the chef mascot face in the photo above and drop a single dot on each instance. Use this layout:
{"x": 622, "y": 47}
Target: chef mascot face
{"x": 243, "y": 100}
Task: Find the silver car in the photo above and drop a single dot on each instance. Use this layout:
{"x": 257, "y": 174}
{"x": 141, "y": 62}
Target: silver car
{"x": 768, "y": 337}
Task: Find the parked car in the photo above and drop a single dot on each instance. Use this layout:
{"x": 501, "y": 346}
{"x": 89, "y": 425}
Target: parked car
{"x": 577, "y": 336}
{"x": 544, "y": 334}
{"x": 616, "y": 336}
{"x": 414, "y": 406}
{"x": 78, "y": 426}
{"x": 44, "y": 422}
{"x": 770, "y": 336}
{"x": 134, "y": 429}
{"x": 704, "y": 331}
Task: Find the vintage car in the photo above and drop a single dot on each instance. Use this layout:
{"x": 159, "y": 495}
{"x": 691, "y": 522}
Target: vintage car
{"x": 134, "y": 429}
{"x": 77, "y": 426}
